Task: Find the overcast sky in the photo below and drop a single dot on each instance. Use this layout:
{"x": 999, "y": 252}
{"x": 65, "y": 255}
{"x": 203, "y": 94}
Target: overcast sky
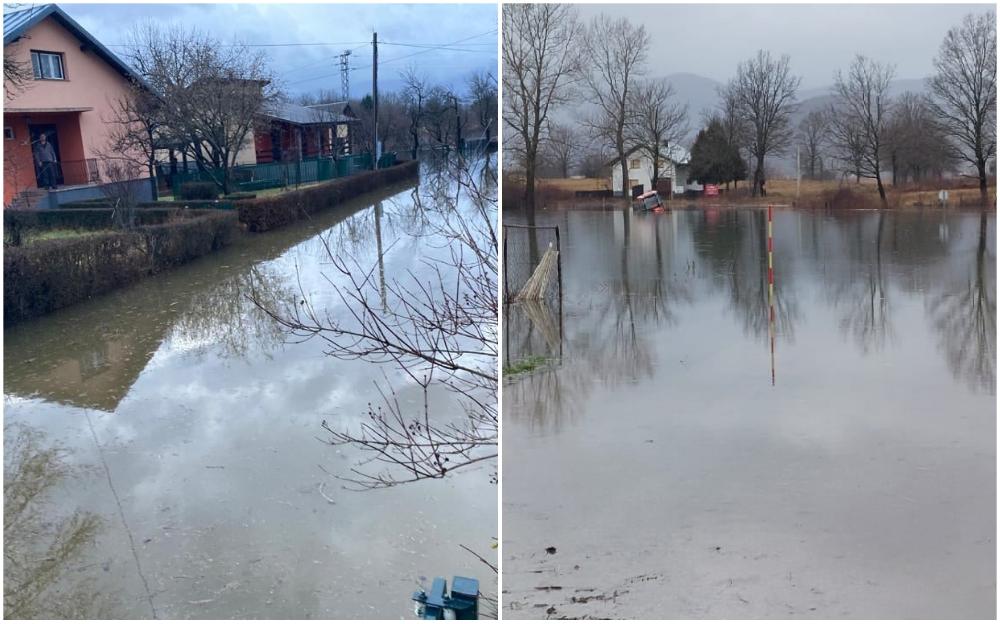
{"x": 347, "y": 26}
{"x": 711, "y": 39}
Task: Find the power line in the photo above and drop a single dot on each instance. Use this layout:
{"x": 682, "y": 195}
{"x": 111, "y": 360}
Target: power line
{"x": 440, "y": 46}
{"x": 265, "y": 45}
{"x": 432, "y": 45}
{"x": 324, "y": 61}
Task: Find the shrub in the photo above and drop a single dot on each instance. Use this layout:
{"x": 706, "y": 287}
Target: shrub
{"x": 53, "y": 274}
{"x": 19, "y": 224}
{"x": 240, "y": 195}
{"x": 842, "y": 198}
{"x": 267, "y": 213}
{"x": 199, "y": 190}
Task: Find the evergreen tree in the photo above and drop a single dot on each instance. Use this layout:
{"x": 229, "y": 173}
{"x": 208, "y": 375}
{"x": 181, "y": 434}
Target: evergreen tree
{"x": 713, "y": 159}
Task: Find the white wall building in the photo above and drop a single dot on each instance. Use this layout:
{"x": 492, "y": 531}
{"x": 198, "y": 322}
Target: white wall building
{"x": 674, "y": 166}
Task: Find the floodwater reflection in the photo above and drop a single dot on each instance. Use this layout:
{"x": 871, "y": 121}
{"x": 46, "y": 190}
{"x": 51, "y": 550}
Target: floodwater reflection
{"x": 216, "y": 493}
{"x": 41, "y": 546}
{"x": 865, "y": 474}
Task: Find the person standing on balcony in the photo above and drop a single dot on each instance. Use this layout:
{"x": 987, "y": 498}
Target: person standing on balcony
{"x": 45, "y": 158}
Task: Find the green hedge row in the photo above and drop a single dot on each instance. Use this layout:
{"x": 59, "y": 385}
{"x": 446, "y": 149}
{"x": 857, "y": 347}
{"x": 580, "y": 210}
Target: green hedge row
{"x": 52, "y": 274}
{"x": 267, "y": 213}
{"x": 19, "y": 223}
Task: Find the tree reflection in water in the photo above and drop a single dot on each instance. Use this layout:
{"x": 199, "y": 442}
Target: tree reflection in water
{"x": 224, "y": 316}
{"x": 965, "y": 317}
{"x": 865, "y": 300}
{"x": 869, "y": 269}
{"x": 39, "y": 548}
{"x": 734, "y": 242}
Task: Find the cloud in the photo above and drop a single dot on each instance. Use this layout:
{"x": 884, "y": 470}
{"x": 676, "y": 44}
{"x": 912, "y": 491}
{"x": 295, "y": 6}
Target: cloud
{"x": 711, "y": 39}
{"x": 346, "y": 26}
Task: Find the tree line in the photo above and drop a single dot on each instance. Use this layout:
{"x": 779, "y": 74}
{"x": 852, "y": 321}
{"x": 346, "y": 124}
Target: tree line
{"x": 552, "y": 61}
{"x": 421, "y": 115}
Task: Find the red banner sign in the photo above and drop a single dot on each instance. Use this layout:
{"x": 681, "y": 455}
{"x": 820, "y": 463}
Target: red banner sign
{"x": 711, "y": 190}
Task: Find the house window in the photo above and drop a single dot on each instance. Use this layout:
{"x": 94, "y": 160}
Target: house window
{"x": 634, "y": 164}
{"x": 8, "y": 133}
{"x": 47, "y": 65}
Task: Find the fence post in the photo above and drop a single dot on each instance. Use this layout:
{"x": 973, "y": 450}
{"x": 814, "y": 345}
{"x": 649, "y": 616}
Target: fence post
{"x": 559, "y": 261}
{"x": 506, "y": 287}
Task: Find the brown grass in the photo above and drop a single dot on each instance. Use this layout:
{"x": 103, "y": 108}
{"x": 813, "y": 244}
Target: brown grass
{"x": 559, "y": 192}
{"x": 571, "y": 185}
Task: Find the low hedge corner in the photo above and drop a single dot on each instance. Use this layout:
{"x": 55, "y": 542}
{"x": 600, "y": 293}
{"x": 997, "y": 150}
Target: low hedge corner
{"x": 267, "y": 213}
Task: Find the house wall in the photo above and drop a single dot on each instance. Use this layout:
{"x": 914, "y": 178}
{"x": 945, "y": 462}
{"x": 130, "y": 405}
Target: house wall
{"x": 248, "y": 152}
{"x": 90, "y": 83}
{"x": 315, "y": 141}
{"x": 18, "y": 166}
{"x": 643, "y": 174}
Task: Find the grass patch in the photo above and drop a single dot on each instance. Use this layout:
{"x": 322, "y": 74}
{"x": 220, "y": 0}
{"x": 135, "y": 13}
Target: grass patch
{"x": 278, "y": 190}
{"x": 44, "y": 235}
{"x": 524, "y": 366}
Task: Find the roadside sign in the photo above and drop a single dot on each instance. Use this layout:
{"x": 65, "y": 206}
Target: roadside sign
{"x": 711, "y": 190}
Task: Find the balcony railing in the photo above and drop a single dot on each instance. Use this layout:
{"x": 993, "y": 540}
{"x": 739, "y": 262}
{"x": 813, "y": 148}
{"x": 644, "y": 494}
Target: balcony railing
{"x": 68, "y": 173}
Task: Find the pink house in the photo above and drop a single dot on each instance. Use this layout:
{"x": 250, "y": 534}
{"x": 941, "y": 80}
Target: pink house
{"x": 72, "y": 82}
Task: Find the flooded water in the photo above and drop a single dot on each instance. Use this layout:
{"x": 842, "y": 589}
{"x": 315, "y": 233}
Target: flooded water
{"x": 680, "y": 455}
{"x": 192, "y": 426}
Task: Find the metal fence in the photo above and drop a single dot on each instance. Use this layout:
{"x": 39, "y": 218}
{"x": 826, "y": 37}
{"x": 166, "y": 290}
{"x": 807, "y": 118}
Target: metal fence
{"x": 533, "y": 328}
{"x": 284, "y": 174}
{"x": 523, "y": 248}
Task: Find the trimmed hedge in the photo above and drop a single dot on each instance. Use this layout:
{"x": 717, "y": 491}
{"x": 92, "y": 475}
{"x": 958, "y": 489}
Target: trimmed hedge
{"x": 19, "y": 223}
{"x": 198, "y": 190}
{"x": 49, "y": 275}
{"x": 267, "y": 213}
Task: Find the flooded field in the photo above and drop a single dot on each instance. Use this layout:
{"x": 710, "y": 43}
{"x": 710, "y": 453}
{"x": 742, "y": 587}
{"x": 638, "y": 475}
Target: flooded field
{"x": 682, "y": 455}
{"x": 196, "y": 482}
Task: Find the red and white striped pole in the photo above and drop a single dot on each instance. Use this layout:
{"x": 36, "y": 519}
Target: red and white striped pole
{"x": 770, "y": 281}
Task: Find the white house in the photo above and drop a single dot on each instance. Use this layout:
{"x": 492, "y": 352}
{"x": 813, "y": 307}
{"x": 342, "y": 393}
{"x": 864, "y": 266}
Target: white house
{"x": 673, "y": 178}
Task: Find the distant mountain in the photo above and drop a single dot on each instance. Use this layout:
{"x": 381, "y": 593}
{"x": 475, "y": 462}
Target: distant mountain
{"x": 700, "y": 93}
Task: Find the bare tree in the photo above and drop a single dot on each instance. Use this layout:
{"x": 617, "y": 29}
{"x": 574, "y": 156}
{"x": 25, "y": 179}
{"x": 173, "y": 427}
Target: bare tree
{"x": 136, "y": 130}
{"x": 17, "y": 72}
{"x": 415, "y": 94}
{"x": 916, "y": 144}
{"x": 541, "y": 56}
{"x": 439, "y": 332}
{"x": 847, "y": 144}
{"x": 737, "y": 127}
{"x": 594, "y": 161}
{"x": 562, "y": 146}
{"x": 439, "y": 116}
{"x": 121, "y": 189}
{"x": 483, "y": 96}
{"x": 617, "y": 54}
{"x": 210, "y": 94}
{"x": 763, "y": 93}
{"x": 965, "y": 91}
{"x": 658, "y": 121}
{"x": 814, "y": 132}
{"x": 861, "y": 115}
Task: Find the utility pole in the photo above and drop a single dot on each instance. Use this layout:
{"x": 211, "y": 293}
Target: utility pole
{"x": 798, "y": 171}
{"x": 375, "y": 99}
{"x": 345, "y": 75}
{"x": 458, "y": 125}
